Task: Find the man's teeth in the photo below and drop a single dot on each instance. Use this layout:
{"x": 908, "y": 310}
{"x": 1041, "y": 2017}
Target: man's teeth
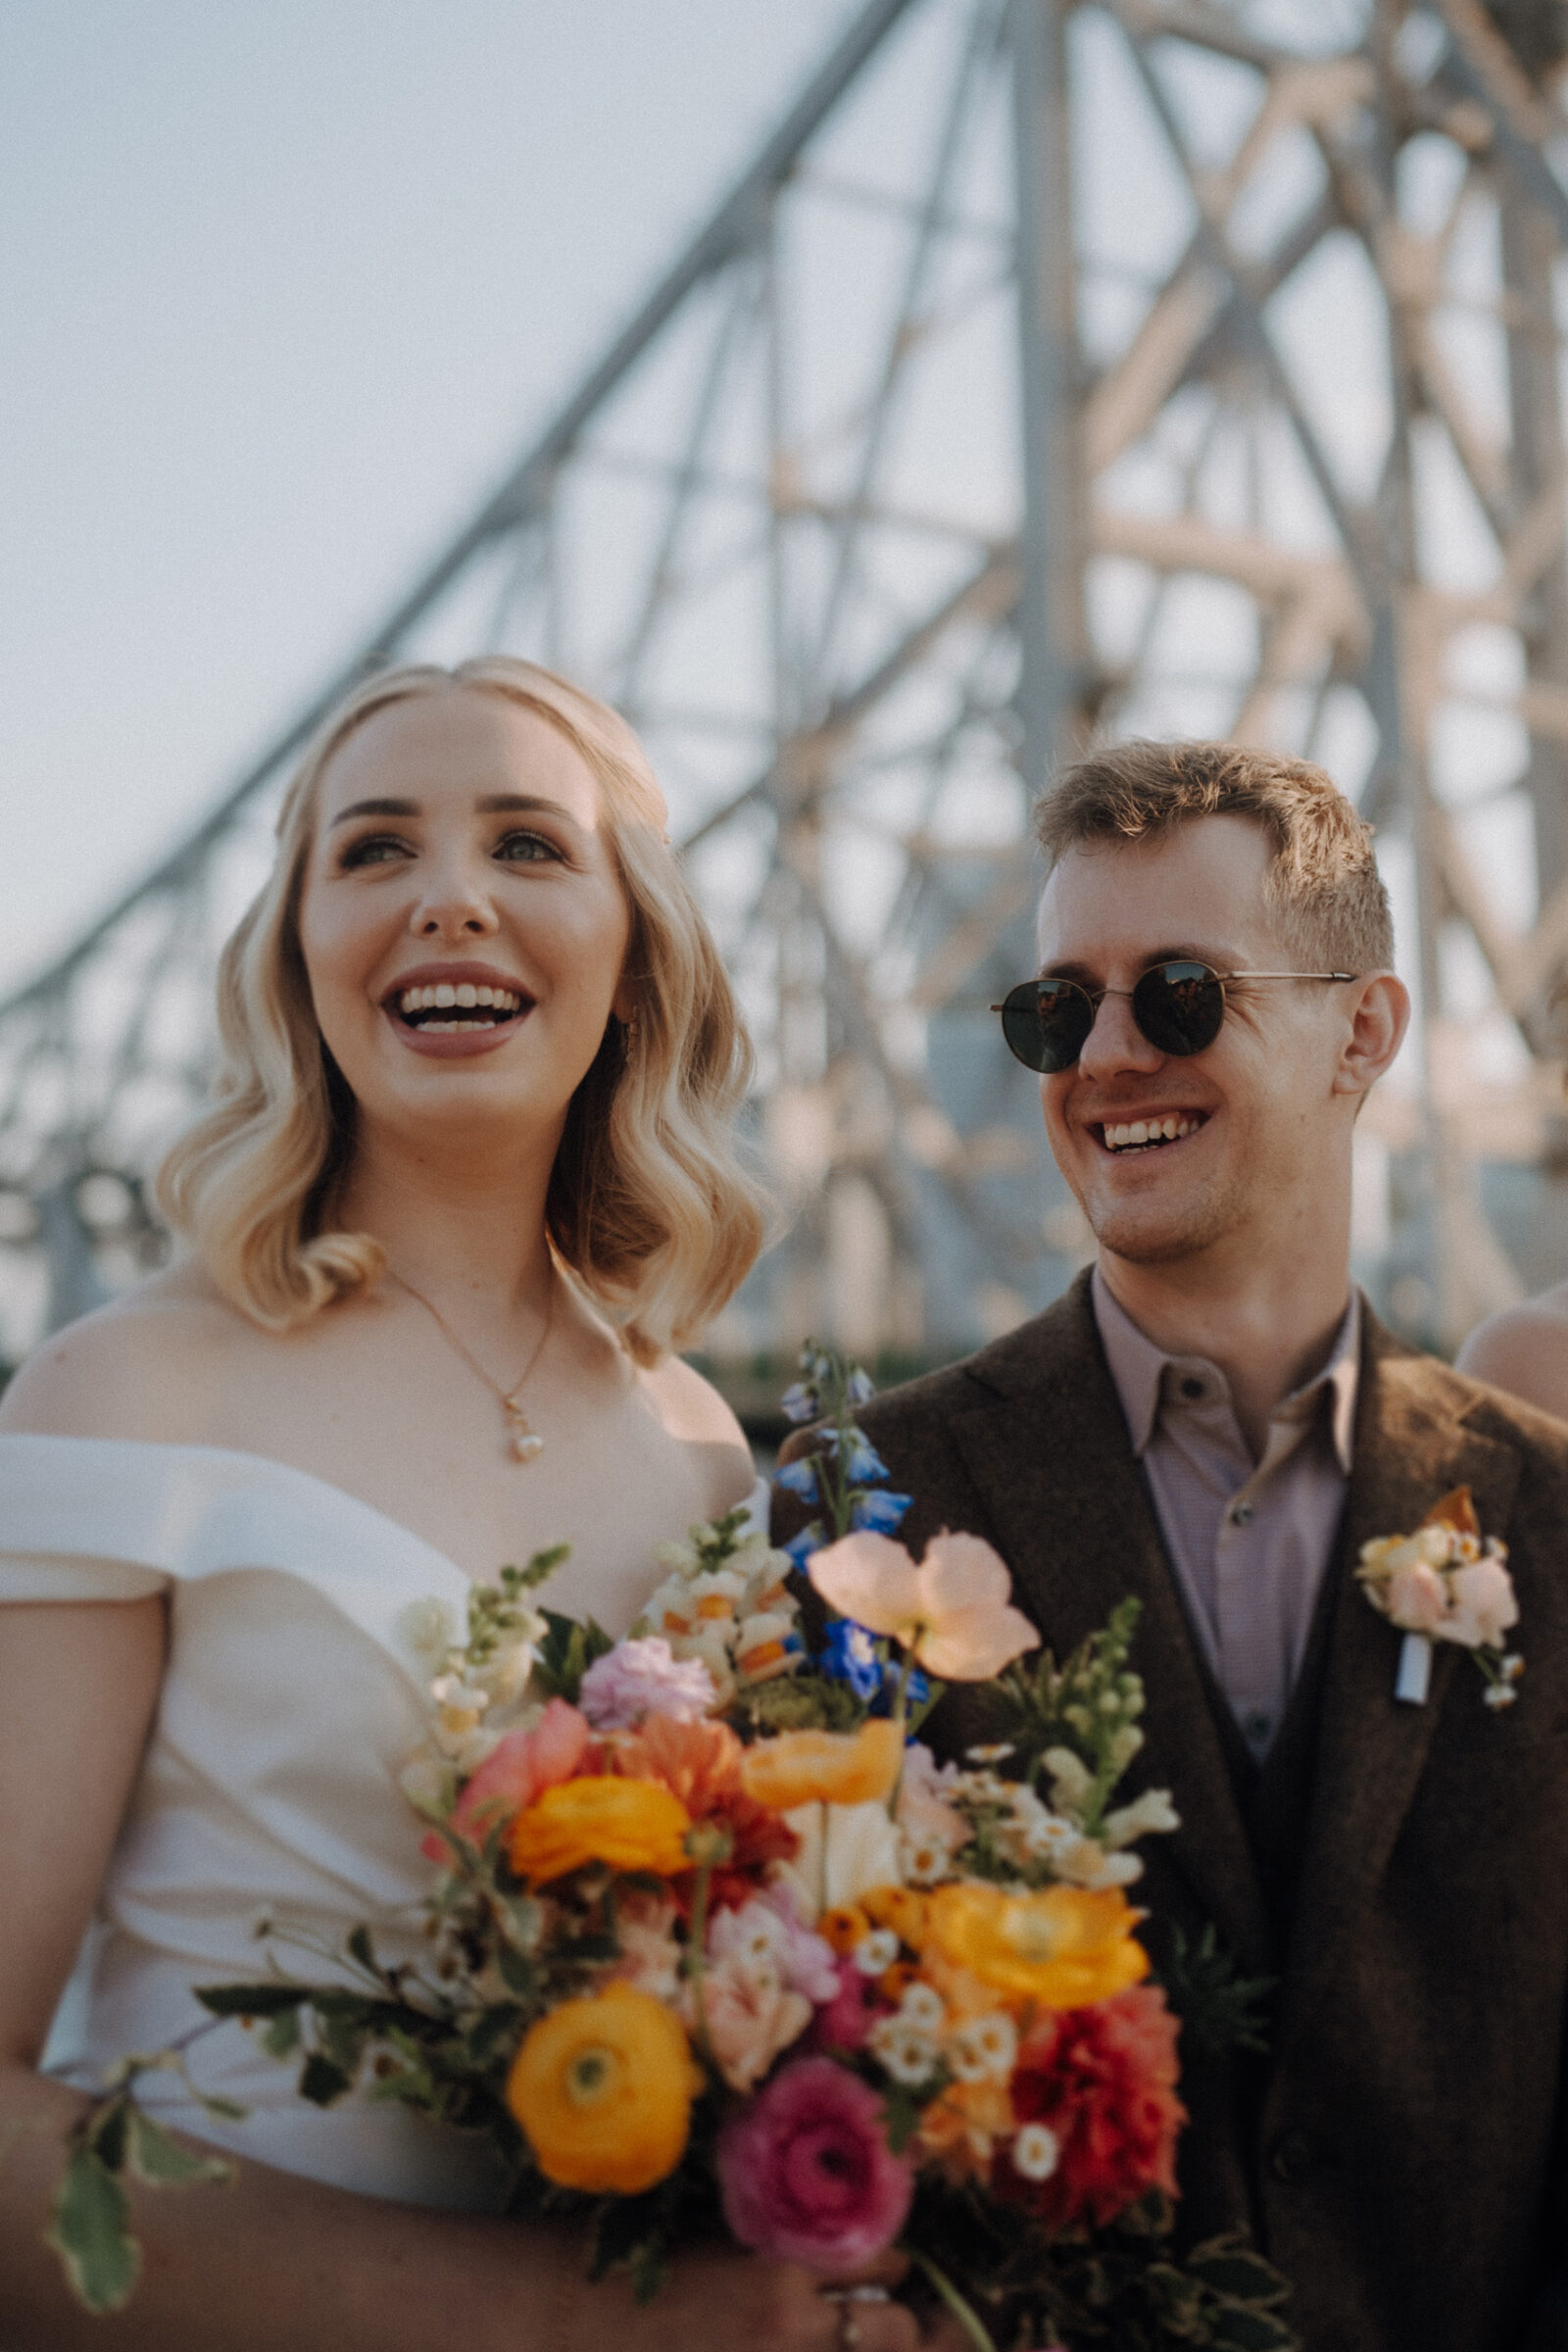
{"x": 462, "y": 995}
{"x": 1168, "y": 1130}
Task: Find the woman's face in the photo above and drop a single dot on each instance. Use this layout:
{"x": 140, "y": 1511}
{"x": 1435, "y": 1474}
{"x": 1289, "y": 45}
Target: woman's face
{"x": 461, "y": 921}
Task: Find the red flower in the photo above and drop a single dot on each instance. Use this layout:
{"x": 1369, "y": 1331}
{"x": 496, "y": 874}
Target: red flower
{"x": 1104, "y": 2081}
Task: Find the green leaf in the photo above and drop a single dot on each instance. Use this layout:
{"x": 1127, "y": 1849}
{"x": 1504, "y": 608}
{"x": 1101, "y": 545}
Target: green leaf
{"x": 228, "y": 2111}
{"x": 1237, "y": 2272}
{"x": 1240, "y": 2331}
{"x": 361, "y": 1948}
{"x": 282, "y": 2035}
{"x": 519, "y": 1976}
{"x": 89, "y": 2228}
{"x": 1220, "y": 2009}
{"x": 162, "y": 2163}
{"x": 106, "y": 2134}
{"x": 249, "y": 2000}
{"x": 542, "y": 1564}
{"x": 320, "y": 2082}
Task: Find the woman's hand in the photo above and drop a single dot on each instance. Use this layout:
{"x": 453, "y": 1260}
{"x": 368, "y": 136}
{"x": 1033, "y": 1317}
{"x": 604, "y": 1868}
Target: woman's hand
{"x": 732, "y": 2302}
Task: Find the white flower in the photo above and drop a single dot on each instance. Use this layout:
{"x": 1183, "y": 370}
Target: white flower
{"x": 844, "y": 1852}
{"x": 922, "y": 1861}
{"x": 1085, "y": 1863}
{"x": 923, "y": 2007}
{"x": 992, "y": 1751}
{"x": 1036, "y": 2152}
{"x": 909, "y": 2056}
{"x": 1071, "y": 1780}
{"x": 427, "y": 1627}
{"x": 1148, "y": 1815}
{"x": 429, "y": 1784}
{"x": 983, "y": 2049}
{"x": 877, "y": 1952}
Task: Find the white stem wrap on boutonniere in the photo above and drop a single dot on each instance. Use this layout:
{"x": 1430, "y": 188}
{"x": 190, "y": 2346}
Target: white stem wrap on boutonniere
{"x": 1446, "y": 1583}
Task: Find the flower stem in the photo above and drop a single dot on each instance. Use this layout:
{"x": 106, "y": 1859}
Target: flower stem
{"x": 697, "y": 1964}
{"x": 968, "y": 2318}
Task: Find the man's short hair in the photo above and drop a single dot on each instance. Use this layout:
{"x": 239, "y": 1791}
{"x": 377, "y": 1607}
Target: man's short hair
{"x": 1323, "y": 890}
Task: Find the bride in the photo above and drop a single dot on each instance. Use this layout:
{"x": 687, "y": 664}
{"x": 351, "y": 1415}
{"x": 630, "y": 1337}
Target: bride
{"x": 468, "y": 1184}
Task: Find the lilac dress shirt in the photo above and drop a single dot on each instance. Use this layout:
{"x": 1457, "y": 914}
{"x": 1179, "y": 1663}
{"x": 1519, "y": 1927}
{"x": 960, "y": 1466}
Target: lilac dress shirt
{"x": 1249, "y": 1541}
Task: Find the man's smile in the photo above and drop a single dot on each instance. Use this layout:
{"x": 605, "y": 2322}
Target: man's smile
{"x": 1151, "y": 1130}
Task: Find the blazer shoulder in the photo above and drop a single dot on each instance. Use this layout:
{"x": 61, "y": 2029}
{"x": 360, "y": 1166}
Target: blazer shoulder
{"x": 1540, "y": 1438}
{"x": 1048, "y": 1349}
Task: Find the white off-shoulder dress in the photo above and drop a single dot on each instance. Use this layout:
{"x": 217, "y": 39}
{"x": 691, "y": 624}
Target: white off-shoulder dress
{"x": 292, "y": 1696}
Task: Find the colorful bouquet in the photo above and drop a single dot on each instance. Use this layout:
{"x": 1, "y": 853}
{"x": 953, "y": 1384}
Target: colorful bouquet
{"x": 718, "y": 1949}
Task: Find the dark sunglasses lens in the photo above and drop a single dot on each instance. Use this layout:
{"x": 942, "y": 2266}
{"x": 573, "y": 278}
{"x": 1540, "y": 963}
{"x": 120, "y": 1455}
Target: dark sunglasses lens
{"x": 1179, "y": 1008}
{"x": 1046, "y": 1023}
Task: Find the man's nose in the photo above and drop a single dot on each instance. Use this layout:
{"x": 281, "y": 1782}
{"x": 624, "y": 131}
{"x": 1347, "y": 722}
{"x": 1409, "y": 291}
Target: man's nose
{"x": 1116, "y": 1044}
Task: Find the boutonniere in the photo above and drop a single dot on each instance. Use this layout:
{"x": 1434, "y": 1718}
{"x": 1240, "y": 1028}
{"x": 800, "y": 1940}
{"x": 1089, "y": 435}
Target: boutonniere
{"x": 1446, "y": 1583}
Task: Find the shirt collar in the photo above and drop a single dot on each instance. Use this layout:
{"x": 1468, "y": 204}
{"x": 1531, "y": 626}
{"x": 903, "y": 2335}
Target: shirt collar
{"x": 1139, "y": 1367}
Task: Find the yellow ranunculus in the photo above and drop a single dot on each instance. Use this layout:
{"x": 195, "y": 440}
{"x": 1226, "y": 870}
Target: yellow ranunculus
{"x": 628, "y": 1824}
{"x": 1064, "y": 1946}
{"x": 603, "y": 2088}
{"x": 826, "y": 1768}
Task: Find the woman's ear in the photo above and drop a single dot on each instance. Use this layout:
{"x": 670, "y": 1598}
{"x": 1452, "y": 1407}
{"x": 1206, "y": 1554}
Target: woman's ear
{"x": 1379, "y": 1016}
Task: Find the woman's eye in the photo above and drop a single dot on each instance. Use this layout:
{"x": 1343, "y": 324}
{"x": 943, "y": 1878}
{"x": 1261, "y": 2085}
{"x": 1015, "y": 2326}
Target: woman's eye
{"x": 526, "y": 849}
{"x": 377, "y": 848}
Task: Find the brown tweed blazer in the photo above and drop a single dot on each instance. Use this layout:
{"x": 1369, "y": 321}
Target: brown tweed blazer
{"x": 1402, "y": 2153}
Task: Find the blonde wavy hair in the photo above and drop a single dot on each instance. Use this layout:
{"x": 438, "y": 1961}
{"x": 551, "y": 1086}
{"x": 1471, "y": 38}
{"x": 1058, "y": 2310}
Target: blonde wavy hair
{"x": 649, "y": 1206}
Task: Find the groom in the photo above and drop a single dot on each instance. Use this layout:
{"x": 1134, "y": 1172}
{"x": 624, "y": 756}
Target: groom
{"x": 1214, "y": 1420}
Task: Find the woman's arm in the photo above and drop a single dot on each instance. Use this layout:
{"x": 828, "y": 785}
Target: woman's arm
{"x": 275, "y": 2260}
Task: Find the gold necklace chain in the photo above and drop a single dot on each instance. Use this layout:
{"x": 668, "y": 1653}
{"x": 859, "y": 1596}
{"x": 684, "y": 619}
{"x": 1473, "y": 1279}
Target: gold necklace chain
{"x": 526, "y": 1443}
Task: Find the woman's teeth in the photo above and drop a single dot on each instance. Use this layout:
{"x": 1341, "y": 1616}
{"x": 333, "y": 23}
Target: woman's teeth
{"x": 1137, "y": 1132}
{"x": 481, "y": 1008}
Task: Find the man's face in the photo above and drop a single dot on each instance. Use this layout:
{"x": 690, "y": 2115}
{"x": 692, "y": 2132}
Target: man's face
{"x": 1259, "y": 1127}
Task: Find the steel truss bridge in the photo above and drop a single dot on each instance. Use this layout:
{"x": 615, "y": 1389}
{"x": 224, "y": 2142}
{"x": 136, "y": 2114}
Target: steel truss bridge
{"x": 1056, "y": 367}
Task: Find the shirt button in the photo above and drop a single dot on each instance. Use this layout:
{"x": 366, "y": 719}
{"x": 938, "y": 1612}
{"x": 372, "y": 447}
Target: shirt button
{"x": 1294, "y": 2156}
{"x": 1244, "y": 1513}
{"x": 1192, "y": 1388}
{"x": 1258, "y": 1726}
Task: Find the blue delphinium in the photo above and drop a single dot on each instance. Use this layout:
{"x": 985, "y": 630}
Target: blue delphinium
{"x": 850, "y": 1655}
{"x": 879, "y": 1510}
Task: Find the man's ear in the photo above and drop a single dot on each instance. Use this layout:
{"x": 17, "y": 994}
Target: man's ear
{"x": 1379, "y": 1016}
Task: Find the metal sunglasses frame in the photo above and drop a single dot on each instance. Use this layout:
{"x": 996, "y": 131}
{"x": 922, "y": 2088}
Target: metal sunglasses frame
{"x": 1093, "y": 997}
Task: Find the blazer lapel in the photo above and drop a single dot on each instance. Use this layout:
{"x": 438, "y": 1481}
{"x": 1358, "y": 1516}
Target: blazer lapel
{"x": 1411, "y": 1448}
{"x": 1047, "y": 1449}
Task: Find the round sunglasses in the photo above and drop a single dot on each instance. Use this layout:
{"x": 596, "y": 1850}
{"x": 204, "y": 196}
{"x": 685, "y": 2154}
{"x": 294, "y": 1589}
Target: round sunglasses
{"x": 1179, "y": 1007}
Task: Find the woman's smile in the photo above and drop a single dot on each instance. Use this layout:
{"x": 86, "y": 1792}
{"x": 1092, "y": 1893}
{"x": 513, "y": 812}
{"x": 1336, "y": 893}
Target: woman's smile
{"x": 456, "y": 1010}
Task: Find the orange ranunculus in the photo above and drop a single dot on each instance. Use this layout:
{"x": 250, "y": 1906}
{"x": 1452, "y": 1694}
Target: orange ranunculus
{"x": 699, "y": 1763}
{"x": 900, "y": 1908}
{"x": 826, "y": 1768}
{"x": 628, "y": 1824}
{"x": 603, "y": 2088}
{"x": 1064, "y": 1946}
{"x": 843, "y": 1928}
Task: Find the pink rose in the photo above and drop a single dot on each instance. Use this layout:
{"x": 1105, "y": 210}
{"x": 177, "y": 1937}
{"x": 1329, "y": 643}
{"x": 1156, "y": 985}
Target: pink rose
{"x": 750, "y": 2016}
{"x": 924, "y": 1809}
{"x": 1416, "y": 1598}
{"x": 518, "y": 1770}
{"x": 639, "y": 1679}
{"x": 1484, "y": 1605}
{"x": 650, "y": 1957}
{"x": 807, "y": 2173}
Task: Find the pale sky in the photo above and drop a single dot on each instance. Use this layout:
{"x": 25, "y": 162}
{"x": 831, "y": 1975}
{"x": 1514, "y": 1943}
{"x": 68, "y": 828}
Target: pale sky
{"x": 286, "y": 284}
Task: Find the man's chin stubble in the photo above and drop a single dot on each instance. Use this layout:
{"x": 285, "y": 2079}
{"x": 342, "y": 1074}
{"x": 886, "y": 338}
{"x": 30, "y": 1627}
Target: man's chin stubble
{"x": 1155, "y": 1239}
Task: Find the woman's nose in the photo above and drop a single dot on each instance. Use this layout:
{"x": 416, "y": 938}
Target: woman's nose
{"x": 1115, "y": 1043}
{"x": 454, "y": 903}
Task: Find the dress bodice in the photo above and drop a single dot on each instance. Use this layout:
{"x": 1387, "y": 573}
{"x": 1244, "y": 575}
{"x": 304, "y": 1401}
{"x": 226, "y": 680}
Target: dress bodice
{"x": 292, "y": 1694}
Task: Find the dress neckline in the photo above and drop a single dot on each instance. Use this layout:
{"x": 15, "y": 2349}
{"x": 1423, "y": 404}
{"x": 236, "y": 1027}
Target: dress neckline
{"x": 289, "y": 1473}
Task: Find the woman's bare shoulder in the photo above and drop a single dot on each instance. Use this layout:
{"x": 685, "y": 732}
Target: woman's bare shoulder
{"x": 691, "y": 1409}
{"x": 140, "y": 1367}
{"x": 1524, "y": 1351}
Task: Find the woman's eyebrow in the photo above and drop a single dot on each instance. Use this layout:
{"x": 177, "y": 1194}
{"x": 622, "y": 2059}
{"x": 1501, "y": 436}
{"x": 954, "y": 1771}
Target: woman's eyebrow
{"x": 493, "y": 805}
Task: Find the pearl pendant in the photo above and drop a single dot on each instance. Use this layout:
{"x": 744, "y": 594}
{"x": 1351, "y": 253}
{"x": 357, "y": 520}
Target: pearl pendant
{"x": 525, "y": 1445}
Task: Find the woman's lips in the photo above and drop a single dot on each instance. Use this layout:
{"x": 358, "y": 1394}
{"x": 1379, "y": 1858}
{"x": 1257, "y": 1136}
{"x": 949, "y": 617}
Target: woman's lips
{"x": 456, "y": 1044}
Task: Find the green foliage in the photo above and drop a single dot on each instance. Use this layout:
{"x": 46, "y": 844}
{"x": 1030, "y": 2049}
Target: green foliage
{"x": 1087, "y": 1708}
{"x": 807, "y": 1700}
{"x": 567, "y": 1652}
{"x": 498, "y": 1613}
{"x": 1220, "y": 2009}
{"x": 89, "y": 2228}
